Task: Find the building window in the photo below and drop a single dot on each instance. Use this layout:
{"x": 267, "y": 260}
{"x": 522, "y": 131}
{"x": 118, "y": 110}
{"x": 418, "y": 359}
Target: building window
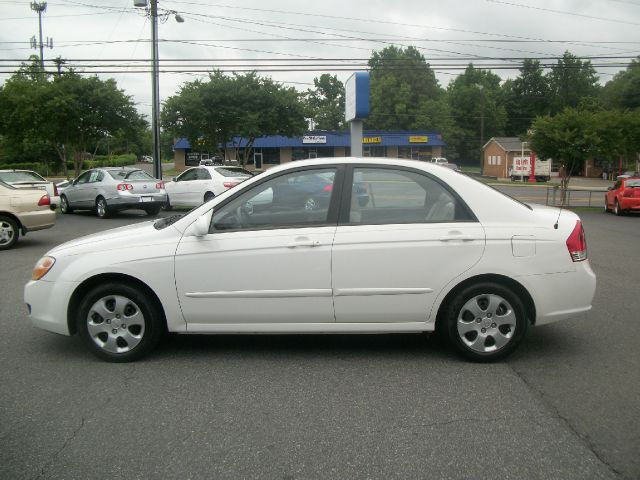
{"x": 369, "y": 151}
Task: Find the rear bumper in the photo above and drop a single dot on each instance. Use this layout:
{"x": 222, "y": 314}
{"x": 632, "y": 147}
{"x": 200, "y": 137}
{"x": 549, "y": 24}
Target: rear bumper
{"x": 578, "y": 287}
{"x": 141, "y": 202}
{"x": 37, "y": 220}
{"x": 627, "y": 203}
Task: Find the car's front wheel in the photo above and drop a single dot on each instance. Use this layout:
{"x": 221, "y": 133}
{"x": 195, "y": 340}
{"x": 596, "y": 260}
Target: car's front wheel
{"x": 102, "y": 209}
{"x": 119, "y": 323}
{"x": 9, "y": 232}
{"x": 64, "y": 205}
{"x": 485, "y": 322}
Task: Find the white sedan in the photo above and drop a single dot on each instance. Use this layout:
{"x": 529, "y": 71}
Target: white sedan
{"x": 200, "y": 184}
{"x": 429, "y": 249}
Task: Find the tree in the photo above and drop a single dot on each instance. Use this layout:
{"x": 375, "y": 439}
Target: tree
{"x": 401, "y": 81}
{"x": 69, "y": 113}
{"x": 525, "y": 98}
{"x": 475, "y": 102}
{"x": 211, "y": 113}
{"x": 325, "y": 104}
{"x": 623, "y": 91}
{"x": 570, "y": 81}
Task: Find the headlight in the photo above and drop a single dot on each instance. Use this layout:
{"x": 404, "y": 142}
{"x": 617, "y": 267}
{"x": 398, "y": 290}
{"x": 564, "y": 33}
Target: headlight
{"x": 42, "y": 267}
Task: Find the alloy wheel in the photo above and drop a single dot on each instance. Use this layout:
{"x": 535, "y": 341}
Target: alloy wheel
{"x": 115, "y": 324}
{"x": 486, "y": 323}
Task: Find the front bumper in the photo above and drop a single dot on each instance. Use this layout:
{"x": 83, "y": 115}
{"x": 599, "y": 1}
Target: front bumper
{"x": 47, "y": 303}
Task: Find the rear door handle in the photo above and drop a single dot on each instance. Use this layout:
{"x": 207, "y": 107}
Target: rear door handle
{"x": 454, "y": 237}
{"x": 304, "y": 242}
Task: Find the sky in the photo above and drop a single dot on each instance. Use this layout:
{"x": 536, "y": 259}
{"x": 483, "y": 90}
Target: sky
{"x": 294, "y": 42}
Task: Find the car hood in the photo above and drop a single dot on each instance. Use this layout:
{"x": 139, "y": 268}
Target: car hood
{"x": 137, "y": 235}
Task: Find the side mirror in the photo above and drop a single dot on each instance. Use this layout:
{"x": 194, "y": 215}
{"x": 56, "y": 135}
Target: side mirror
{"x": 200, "y": 227}
{"x": 610, "y": 188}
{"x": 75, "y": 181}
{"x": 174, "y": 179}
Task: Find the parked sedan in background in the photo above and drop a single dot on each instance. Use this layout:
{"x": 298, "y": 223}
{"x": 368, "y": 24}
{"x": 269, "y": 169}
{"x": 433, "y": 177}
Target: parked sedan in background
{"x": 108, "y": 190}
{"x": 431, "y": 250}
{"x": 623, "y": 196}
{"x": 31, "y": 179}
{"x": 23, "y": 210}
{"x": 200, "y": 184}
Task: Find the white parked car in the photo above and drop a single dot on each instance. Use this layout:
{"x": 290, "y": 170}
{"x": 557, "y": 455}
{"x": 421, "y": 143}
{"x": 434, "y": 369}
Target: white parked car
{"x": 200, "y": 184}
{"x": 439, "y": 160}
{"x": 31, "y": 179}
{"x": 428, "y": 249}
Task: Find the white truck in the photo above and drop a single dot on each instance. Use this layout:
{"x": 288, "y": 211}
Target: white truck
{"x": 521, "y": 169}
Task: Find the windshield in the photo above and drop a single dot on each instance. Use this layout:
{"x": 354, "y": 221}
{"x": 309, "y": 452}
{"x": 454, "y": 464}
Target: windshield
{"x": 502, "y": 193}
{"x": 20, "y": 177}
{"x": 632, "y": 183}
{"x": 234, "y": 172}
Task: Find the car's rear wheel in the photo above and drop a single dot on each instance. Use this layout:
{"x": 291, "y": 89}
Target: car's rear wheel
{"x": 119, "y": 323}
{"x": 208, "y": 196}
{"x": 64, "y": 205}
{"x": 102, "y": 209}
{"x": 9, "y": 232}
{"x": 152, "y": 211}
{"x": 485, "y": 322}
{"x": 616, "y": 208}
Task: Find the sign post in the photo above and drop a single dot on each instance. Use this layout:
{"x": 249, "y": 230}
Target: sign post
{"x": 356, "y": 108}
{"x": 532, "y": 176}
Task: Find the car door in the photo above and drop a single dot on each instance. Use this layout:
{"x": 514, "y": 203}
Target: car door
{"x": 75, "y": 193}
{"x": 178, "y": 190}
{"x": 200, "y": 185}
{"x": 401, "y": 238}
{"x": 264, "y": 260}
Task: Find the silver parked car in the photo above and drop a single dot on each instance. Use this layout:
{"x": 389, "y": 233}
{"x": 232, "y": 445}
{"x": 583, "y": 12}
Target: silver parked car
{"x": 108, "y": 190}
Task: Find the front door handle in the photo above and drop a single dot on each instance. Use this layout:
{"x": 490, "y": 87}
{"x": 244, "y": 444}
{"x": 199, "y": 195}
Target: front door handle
{"x": 304, "y": 242}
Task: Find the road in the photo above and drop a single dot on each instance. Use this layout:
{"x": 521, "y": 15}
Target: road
{"x": 564, "y": 406}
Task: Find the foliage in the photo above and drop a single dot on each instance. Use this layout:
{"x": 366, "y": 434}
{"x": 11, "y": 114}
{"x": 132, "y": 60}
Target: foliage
{"x": 474, "y": 99}
{"x": 525, "y": 98}
{"x": 570, "y": 81}
{"x": 325, "y": 104}
{"x": 575, "y": 135}
{"x": 623, "y": 91}
{"x": 211, "y": 113}
{"x": 401, "y": 83}
{"x": 68, "y": 114}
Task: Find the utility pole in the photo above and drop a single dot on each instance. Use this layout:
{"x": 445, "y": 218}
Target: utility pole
{"x": 41, "y": 8}
{"x": 151, "y": 9}
{"x": 59, "y": 62}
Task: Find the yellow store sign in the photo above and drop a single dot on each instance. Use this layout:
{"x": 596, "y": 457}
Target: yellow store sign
{"x": 419, "y": 139}
{"x": 371, "y": 139}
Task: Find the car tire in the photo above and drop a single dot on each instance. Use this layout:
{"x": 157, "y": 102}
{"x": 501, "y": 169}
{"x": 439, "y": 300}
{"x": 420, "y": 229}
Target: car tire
{"x": 102, "y": 209}
{"x": 311, "y": 204}
{"x": 64, "y": 205}
{"x": 153, "y": 211}
{"x": 209, "y": 196}
{"x": 485, "y": 322}
{"x": 101, "y": 322}
{"x": 606, "y": 206}
{"x": 616, "y": 208}
{"x": 9, "y": 232}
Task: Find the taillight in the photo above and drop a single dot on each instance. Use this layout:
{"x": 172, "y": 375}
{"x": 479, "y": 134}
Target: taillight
{"x": 230, "y": 184}
{"x": 160, "y": 185}
{"x": 577, "y": 243}
{"x": 125, "y": 186}
{"x": 44, "y": 200}
{"x": 328, "y": 188}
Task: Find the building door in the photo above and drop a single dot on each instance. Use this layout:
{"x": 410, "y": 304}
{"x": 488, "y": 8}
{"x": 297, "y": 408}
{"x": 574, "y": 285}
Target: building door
{"x": 257, "y": 160}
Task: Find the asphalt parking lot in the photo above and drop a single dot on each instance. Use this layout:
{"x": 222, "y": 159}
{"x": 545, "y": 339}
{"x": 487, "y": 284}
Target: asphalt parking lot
{"x": 564, "y": 406}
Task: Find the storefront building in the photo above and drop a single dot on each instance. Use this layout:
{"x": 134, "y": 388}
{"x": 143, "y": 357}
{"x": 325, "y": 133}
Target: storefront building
{"x": 276, "y": 149}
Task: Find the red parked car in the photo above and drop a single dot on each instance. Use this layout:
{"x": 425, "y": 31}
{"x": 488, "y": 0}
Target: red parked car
{"x": 624, "y": 196}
